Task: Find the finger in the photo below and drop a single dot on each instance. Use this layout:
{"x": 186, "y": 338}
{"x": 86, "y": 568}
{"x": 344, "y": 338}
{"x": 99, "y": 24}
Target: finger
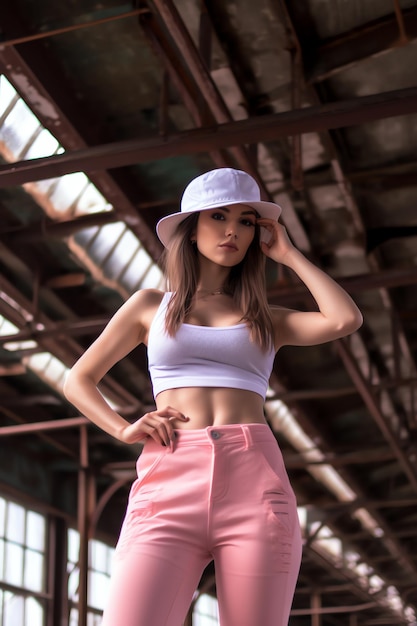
{"x": 183, "y": 418}
{"x": 170, "y": 412}
{"x": 150, "y": 430}
{"x": 162, "y": 431}
{"x": 266, "y": 222}
{"x": 151, "y": 426}
{"x": 166, "y": 432}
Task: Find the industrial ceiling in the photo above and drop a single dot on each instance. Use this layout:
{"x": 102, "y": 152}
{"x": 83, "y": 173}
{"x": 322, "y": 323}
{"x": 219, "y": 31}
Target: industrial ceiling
{"x": 107, "y": 110}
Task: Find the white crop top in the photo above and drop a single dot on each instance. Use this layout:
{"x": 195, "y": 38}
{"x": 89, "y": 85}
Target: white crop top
{"x": 206, "y": 356}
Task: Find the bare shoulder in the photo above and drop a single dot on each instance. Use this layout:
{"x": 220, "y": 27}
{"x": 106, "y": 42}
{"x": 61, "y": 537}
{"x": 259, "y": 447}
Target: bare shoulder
{"x": 147, "y": 297}
{"x": 145, "y": 303}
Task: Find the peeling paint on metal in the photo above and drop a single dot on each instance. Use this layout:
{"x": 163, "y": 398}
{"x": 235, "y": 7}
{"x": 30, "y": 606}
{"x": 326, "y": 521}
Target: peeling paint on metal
{"x": 36, "y": 100}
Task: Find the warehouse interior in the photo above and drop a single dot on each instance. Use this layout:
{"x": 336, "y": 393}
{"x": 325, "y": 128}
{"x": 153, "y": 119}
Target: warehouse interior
{"x": 107, "y": 110}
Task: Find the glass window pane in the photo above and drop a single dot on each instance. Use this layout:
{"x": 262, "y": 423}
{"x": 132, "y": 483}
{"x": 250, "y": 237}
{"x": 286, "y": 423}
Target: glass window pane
{"x": 73, "y": 579}
{"x": 93, "y": 620}
{"x": 67, "y": 190}
{"x": 45, "y": 144}
{"x": 1, "y": 561}
{"x": 92, "y": 201}
{"x": 137, "y": 268}
{"x": 73, "y": 620}
{"x": 98, "y": 556}
{"x": 14, "y": 565}
{"x": 33, "y": 575}
{"x": 19, "y": 125}
{"x": 152, "y": 279}
{"x": 34, "y": 613}
{"x": 98, "y": 589}
{"x": 35, "y": 531}
{"x": 105, "y": 241}
{"x": 7, "y": 94}
{"x": 15, "y": 523}
{"x": 73, "y": 545}
{"x": 14, "y": 607}
{"x": 123, "y": 252}
{"x": 205, "y": 611}
{"x": 2, "y": 516}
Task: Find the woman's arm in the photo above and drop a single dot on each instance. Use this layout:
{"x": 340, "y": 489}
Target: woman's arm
{"x": 127, "y": 328}
{"x": 338, "y": 315}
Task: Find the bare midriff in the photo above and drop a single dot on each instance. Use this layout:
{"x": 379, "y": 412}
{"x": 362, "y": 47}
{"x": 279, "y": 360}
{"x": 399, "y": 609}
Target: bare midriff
{"x": 213, "y": 406}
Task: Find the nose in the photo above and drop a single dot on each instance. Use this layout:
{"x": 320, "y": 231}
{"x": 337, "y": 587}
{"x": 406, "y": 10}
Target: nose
{"x": 231, "y": 230}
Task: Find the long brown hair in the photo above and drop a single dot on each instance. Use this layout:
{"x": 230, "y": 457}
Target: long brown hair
{"x": 245, "y": 283}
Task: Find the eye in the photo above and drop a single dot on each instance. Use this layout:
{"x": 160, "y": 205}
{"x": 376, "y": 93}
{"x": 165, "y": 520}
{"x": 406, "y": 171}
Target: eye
{"x": 217, "y": 216}
{"x": 247, "y": 222}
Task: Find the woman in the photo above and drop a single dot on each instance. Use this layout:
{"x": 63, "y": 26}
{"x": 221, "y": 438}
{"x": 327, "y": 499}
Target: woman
{"x": 211, "y": 482}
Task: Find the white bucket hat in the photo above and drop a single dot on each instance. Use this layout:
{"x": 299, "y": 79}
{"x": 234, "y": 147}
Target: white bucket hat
{"x": 217, "y": 188}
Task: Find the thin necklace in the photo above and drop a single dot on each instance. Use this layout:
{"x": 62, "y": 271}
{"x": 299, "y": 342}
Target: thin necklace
{"x": 215, "y": 292}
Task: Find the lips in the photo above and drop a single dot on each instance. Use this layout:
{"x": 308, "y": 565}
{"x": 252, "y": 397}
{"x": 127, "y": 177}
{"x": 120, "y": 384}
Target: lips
{"x": 229, "y": 246}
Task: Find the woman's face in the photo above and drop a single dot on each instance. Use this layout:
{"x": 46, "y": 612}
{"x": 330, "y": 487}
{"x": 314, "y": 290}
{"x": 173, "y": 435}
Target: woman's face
{"x": 224, "y": 235}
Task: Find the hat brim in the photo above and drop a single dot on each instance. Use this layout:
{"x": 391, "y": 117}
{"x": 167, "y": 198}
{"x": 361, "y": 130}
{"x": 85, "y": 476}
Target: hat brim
{"x": 166, "y": 226}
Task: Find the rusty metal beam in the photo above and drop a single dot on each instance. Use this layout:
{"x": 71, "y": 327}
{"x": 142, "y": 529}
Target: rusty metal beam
{"x": 384, "y": 178}
{"x": 364, "y": 502}
{"x": 371, "y": 403}
{"x": 211, "y": 103}
{"x": 55, "y": 329}
{"x": 10, "y": 400}
{"x": 179, "y": 76}
{"x": 253, "y": 130}
{"x": 36, "y": 92}
{"x": 84, "y": 515}
{"x": 351, "y": 204}
{"x": 337, "y": 54}
{"x": 46, "y": 229}
{"x": 321, "y": 610}
{"x": 394, "y": 547}
{"x": 353, "y": 284}
{"x": 57, "y": 575}
{"x": 361, "y": 457}
{"x": 24, "y": 429}
{"x": 71, "y": 28}
{"x": 282, "y": 294}
{"x": 296, "y": 395}
{"x": 22, "y": 311}
{"x": 20, "y": 429}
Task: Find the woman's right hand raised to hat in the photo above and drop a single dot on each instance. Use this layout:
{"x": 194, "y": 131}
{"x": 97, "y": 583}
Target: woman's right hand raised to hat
{"x": 279, "y": 245}
{"x": 156, "y": 424}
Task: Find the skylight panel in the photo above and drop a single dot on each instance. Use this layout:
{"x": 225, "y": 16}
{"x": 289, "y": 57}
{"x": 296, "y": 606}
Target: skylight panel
{"x": 49, "y": 369}
{"x": 6, "y": 327}
{"x": 117, "y": 257}
{"x": 8, "y": 96}
{"x": 18, "y": 128}
{"x": 44, "y": 144}
{"x": 154, "y": 277}
{"x": 23, "y": 136}
{"x": 91, "y": 201}
{"x": 68, "y": 191}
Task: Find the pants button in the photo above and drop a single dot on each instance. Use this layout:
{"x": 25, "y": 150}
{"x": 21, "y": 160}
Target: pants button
{"x": 215, "y": 434}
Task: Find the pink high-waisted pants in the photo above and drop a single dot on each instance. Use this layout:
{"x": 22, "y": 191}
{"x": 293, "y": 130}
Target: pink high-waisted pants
{"x": 217, "y": 493}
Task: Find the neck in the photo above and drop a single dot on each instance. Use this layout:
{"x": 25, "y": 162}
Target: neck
{"x": 211, "y": 276}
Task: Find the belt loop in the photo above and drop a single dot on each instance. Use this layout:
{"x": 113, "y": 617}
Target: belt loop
{"x": 248, "y": 436}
